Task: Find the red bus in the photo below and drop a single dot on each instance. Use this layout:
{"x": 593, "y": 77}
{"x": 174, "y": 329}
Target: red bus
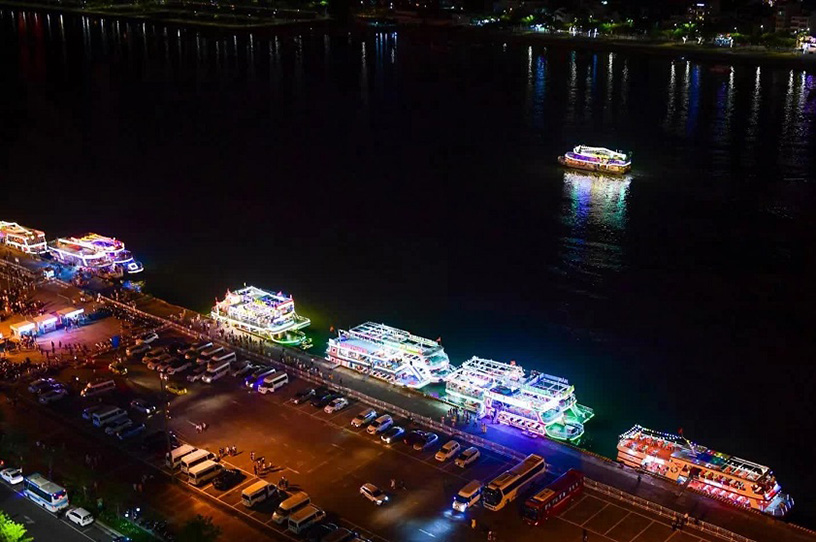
{"x": 554, "y": 498}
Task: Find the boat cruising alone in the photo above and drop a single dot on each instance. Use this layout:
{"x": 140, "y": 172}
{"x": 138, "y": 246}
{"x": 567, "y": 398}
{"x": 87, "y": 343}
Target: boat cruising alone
{"x": 390, "y": 354}
{"x": 598, "y": 159}
{"x": 734, "y": 480}
{"x": 95, "y": 253}
{"x": 539, "y": 403}
{"x": 21, "y": 238}
{"x": 270, "y": 315}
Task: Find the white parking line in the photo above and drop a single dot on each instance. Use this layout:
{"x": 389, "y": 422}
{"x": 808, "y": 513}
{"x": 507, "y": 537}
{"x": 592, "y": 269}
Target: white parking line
{"x": 587, "y": 520}
{"x": 316, "y": 467}
{"x": 642, "y": 530}
{"x": 621, "y": 519}
{"x": 427, "y": 533}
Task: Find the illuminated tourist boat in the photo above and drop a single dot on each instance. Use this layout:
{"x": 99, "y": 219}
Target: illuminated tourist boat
{"x": 597, "y": 159}
{"x": 539, "y": 403}
{"x": 734, "y": 480}
{"x": 23, "y": 239}
{"x": 390, "y": 354}
{"x": 95, "y": 253}
{"x": 267, "y": 314}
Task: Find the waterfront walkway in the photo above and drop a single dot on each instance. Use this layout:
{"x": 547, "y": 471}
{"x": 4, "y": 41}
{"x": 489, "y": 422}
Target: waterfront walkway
{"x": 559, "y": 456}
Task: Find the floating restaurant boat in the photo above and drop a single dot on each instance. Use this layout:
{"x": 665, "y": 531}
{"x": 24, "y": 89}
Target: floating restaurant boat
{"x": 598, "y": 159}
{"x": 539, "y": 403}
{"x": 95, "y": 253}
{"x": 734, "y": 480}
{"x": 390, "y": 354}
{"x": 267, "y": 314}
{"x": 21, "y": 238}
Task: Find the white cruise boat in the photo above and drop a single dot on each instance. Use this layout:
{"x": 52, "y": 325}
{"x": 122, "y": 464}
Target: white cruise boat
{"x": 270, "y": 315}
{"x": 24, "y": 239}
{"x": 95, "y": 253}
{"x": 390, "y": 354}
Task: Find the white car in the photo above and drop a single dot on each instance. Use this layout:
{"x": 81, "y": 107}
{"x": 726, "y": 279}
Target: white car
{"x": 138, "y": 348}
{"x": 450, "y": 449}
{"x": 338, "y": 404}
{"x": 380, "y": 424}
{"x": 147, "y": 338}
{"x": 80, "y": 516}
{"x": 53, "y": 395}
{"x": 373, "y": 494}
{"x": 364, "y": 417}
{"x": 12, "y": 475}
{"x": 467, "y": 457}
{"x": 118, "y": 426}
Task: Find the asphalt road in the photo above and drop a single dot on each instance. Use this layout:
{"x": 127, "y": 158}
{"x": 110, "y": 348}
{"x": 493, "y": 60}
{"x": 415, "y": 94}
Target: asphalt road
{"x": 43, "y": 525}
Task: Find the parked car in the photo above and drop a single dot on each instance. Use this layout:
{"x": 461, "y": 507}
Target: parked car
{"x": 80, "y": 516}
{"x": 197, "y": 372}
{"x": 140, "y": 405}
{"x": 175, "y": 388}
{"x": 118, "y": 368}
{"x": 227, "y": 479}
{"x": 118, "y": 426}
{"x": 12, "y": 475}
{"x": 303, "y": 396}
{"x": 136, "y": 349}
{"x": 177, "y": 366}
{"x": 336, "y": 405}
{"x": 130, "y": 432}
{"x": 88, "y": 412}
{"x": 448, "y": 450}
{"x": 254, "y": 379}
{"x": 240, "y": 369}
{"x": 392, "y": 435}
{"x": 148, "y": 338}
{"x": 380, "y": 424}
{"x": 467, "y": 457}
{"x": 316, "y": 533}
{"x": 373, "y": 494}
{"x": 321, "y": 402}
{"x": 428, "y": 440}
{"x": 364, "y": 417}
{"x": 412, "y": 437}
{"x": 52, "y": 395}
{"x": 41, "y": 384}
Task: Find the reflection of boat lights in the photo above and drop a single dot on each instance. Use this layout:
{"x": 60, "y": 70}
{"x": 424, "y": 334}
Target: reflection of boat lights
{"x": 597, "y": 198}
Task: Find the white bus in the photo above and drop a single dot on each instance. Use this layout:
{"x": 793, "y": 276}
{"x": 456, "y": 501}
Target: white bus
{"x": 108, "y": 415}
{"x": 45, "y": 492}
{"x": 291, "y": 505}
{"x": 215, "y": 371}
{"x": 195, "y": 458}
{"x": 208, "y": 354}
{"x": 273, "y": 382}
{"x": 257, "y": 492}
{"x": 506, "y": 486}
{"x": 202, "y": 473}
{"x": 305, "y": 518}
{"x": 173, "y": 457}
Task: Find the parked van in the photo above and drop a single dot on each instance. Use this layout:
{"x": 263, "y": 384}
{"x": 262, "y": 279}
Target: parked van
{"x": 108, "y": 415}
{"x": 209, "y": 354}
{"x": 468, "y": 496}
{"x": 174, "y": 456}
{"x": 224, "y": 357}
{"x": 294, "y": 503}
{"x": 98, "y": 388}
{"x": 305, "y": 518}
{"x": 195, "y": 458}
{"x": 257, "y": 492}
{"x": 273, "y": 382}
{"x": 136, "y": 349}
{"x": 215, "y": 371}
{"x": 204, "y": 472}
{"x": 193, "y": 352}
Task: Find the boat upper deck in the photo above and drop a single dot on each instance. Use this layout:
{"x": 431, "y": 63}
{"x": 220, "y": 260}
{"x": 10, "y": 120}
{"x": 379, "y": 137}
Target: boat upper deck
{"x": 380, "y": 334}
{"x": 256, "y": 306}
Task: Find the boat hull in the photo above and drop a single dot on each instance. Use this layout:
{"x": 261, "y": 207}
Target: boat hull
{"x": 597, "y": 167}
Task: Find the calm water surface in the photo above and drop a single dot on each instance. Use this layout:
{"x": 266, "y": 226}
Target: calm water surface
{"x": 409, "y": 180}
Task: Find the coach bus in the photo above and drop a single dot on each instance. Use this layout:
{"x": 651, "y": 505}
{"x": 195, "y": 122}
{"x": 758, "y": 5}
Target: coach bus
{"x": 505, "y": 487}
{"x": 45, "y": 492}
{"x": 554, "y": 498}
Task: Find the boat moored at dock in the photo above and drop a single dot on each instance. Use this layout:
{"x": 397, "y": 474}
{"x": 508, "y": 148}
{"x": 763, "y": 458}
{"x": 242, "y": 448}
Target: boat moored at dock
{"x": 27, "y": 240}
{"x": 734, "y": 480}
{"x": 599, "y": 159}
{"x": 270, "y": 315}
{"x": 390, "y": 354}
{"x": 96, "y": 254}
{"x": 539, "y": 403}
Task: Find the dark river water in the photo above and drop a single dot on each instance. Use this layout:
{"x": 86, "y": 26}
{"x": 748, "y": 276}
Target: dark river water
{"x": 413, "y": 180}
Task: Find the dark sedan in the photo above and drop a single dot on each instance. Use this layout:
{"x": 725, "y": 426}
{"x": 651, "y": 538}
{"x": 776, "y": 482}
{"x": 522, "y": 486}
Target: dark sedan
{"x": 228, "y": 479}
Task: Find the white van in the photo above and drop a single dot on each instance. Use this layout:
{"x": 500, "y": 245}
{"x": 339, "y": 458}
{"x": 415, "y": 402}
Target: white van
{"x": 98, "y": 388}
{"x": 108, "y": 415}
{"x": 468, "y": 496}
{"x": 195, "y": 458}
{"x": 257, "y": 492}
{"x": 174, "y": 456}
{"x": 224, "y": 357}
{"x": 273, "y": 382}
{"x": 202, "y": 473}
{"x": 305, "y": 518}
{"x": 215, "y": 371}
{"x": 291, "y": 505}
{"x": 209, "y": 354}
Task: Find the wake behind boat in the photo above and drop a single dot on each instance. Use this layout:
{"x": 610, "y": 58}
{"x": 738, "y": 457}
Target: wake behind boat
{"x": 598, "y": 159}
